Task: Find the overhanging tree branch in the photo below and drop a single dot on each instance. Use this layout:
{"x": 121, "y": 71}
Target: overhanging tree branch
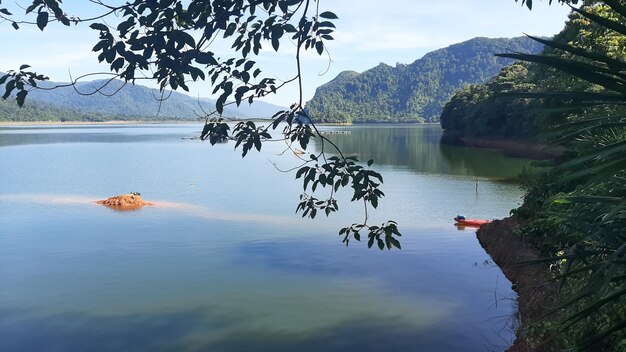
{"x": 169, "y": 42}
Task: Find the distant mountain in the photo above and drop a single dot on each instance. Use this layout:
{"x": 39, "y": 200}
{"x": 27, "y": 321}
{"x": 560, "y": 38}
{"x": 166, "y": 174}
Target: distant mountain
{"x": 414, "y": 92}
{"x": 36, "y": 111}
{"x": 126, "y": 102}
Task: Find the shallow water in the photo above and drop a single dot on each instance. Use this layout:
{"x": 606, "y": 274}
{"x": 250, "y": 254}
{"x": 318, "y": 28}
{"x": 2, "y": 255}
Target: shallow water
{"x": 222, "y": 263}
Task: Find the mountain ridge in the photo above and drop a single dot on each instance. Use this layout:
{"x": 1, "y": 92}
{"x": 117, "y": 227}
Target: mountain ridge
{"x": 130, "y": 101}
{"x": 414, "y": 92}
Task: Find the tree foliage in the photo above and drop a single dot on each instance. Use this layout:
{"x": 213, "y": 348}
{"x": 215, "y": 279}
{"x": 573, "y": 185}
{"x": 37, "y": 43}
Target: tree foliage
{"x": 480, "y": 110}
{"x": 503, "y": 107}
{"x": 576, "y": 210}
{"x": 120, "y": 101}
{"x": 414, "y": 92}
{"x": 171, "y": 41}
{"x": 37, "y": 111}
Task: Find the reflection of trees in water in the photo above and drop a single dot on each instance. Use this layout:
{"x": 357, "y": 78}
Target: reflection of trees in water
{"x": 416, "y": 147}
{"x": 51, "y": 138}
{"x": 419, "y": 148}
{"x": 9, "y": 139}
{"x": 481, "y": 162}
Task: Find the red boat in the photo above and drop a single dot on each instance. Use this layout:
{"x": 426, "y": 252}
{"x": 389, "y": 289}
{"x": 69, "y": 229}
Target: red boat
{"x": 470, "y": 222}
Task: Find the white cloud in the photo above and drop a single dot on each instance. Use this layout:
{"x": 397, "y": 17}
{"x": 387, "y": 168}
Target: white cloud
{"x": 385, "y": 37}
{"x": 368, "y": 32}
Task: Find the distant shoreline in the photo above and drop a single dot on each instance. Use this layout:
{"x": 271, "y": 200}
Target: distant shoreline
{"x": 164, "y": 122}
{"x": 95, "y": 123}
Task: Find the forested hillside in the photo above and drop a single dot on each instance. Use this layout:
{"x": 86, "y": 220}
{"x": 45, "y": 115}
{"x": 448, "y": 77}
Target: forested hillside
{"x": 118, "y": 102}
{"x": 33, "y": 111}
{"x": 493, "y": 109}
{"x": 574, "y": 211}
{"x": 481, "y": 109}
{"x": 414, "y": 92}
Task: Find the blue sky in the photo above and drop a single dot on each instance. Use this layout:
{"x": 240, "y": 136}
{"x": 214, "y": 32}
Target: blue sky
{"x": 368, "y": 32}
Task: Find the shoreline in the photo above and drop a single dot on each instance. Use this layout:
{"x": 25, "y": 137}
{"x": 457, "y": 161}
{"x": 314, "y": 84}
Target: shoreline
{"x": 161, "y": 122}
{"x": 92, "y": 123}
{"x": 534, "y": 292}
{"x": 517, "y": 148}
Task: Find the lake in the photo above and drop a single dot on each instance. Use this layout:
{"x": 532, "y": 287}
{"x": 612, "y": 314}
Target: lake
{"x": 223, "y": 263}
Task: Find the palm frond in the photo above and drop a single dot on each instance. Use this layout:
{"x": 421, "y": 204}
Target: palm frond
{"x": 598, "y": 75}
{"x": 610, "y": 24}
{"x": 615, "y": 65}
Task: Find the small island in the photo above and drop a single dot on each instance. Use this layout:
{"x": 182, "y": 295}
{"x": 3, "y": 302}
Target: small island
{"x": 124, "y": 202}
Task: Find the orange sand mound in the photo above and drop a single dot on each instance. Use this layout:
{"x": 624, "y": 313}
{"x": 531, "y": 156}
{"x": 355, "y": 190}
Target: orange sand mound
{"x": 124, "y": 202}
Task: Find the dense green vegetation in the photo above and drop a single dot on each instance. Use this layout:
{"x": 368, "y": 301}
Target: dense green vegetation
{"x": 492, "y": 109}
{"x": 117, "y": 102}
{"x": 414, "y": 92}
{"x": 34, "y": 111}
{"x": 574, "y": 212}
{"x": 419, "y": 148}
{"x": 480, "y": 109}
{"x": 170, "y": 43}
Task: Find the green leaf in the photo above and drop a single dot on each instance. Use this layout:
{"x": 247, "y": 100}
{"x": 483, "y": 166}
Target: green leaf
{"x": 15, "y": 25}
{"x": 395, "y": 242}
{"x": 8, "y": 89}
{"x": 187, "y": 39}
{"x": 603, "y": 334}
{"x": 206, "y": 58}
{"x": 32, "y": 6}
{"x": 616, "y": 26}
{"x": 21, "y": 96}
{"x": 319, "y": 46}
{"x": 275, "y": 43}
{"x": 594, "y": 199}
{"x": 596, "y": 304}
{"x": 125, "y": 26}
{"x": 42, "y": 20}
{"x": 581, "y": 52}
{"x": 230, "y": 30}
{"x": 529, "y": 3}
{"x": 248, "y": 65}
{"x": 617, "y": 6}
{"x": 289, "y": 28}
{"x": 604, "y": 169}
{"x": 585, "y": 71}
{"x": 257, "y": 142}
{"x": 99, "y": 27}
{"x": 328, "y": 15}
{"x": 219, "y": 104}
{"x": 561, "y": 201}
{"x": 117, "y": 64}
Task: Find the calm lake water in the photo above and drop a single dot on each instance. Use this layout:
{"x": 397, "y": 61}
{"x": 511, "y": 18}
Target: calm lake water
{"x": 222, "y": 263}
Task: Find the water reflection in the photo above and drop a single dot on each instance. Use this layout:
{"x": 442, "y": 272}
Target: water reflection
{"x": 177, "y": 331}
{"x": 13, "y": 136}
{"x": 418, "y": 148}
{"x": 211, "y": 269}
